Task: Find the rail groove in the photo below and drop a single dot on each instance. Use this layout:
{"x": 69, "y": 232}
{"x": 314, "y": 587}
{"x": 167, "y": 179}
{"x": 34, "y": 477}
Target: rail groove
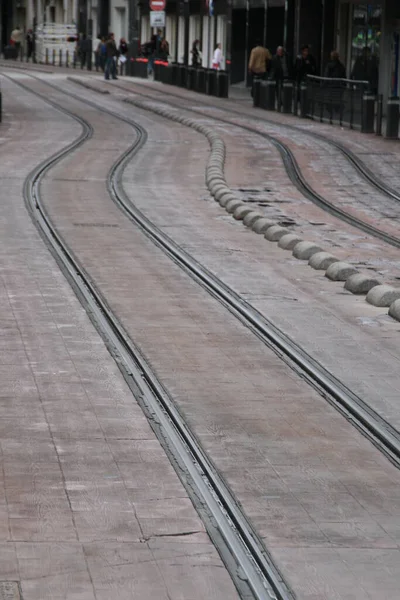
{"x": 359, "y": 165}
{"x": 246, "y": 559}
{"x": 361, "y": 415}
{"x": 296, "y": 176}
{"x": 263, "y": 578}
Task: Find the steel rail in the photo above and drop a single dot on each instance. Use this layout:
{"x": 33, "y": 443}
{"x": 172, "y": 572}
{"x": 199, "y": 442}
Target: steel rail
{"x": 360, "y": 414}
{"x": 249, "y": 555}
{"x": 295, "y": 174}
{"x": 357, "y": 411}
{"x": 358, "y": 164}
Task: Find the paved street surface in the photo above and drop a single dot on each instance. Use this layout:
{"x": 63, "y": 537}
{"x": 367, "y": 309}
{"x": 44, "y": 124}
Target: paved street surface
{"x": 92, "y": 506}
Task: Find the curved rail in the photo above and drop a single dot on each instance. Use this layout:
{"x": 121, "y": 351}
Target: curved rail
{"x": 367, "y": 420}
{"x": 357, "y": 163}
{"x": 232, "y": 534}
{"x": 297, "y": 178}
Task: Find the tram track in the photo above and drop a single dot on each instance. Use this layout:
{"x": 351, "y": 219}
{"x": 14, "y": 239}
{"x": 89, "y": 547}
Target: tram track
{"x": 366, "y": 419}
{"x": 350, "y": 156}
{"x": 243, "y": 553}
{"x": 247, "y": 550}
{"x": 295, "y": 174}
{"x": 291, "y": 165}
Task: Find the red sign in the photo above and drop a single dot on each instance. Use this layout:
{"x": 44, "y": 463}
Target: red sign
{"x": 157, "y": 4}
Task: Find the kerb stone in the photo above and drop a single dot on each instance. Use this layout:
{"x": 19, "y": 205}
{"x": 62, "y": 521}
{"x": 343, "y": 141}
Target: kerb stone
{"x": 274, "y": 233}
{"x": 289, "y": 241}
{"x": 304, "y": 250}
{"x": 360, "y": 283}
{"x": 340, "y": 271}
{"x": 261, "y": 225}
{"x": 322, "y": 260}
{"x": 383, "y": 295}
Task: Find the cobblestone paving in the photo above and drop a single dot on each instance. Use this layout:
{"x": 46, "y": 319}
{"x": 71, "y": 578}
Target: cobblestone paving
{"x": 324, "y": 500}
{"x": 91, "y": 506}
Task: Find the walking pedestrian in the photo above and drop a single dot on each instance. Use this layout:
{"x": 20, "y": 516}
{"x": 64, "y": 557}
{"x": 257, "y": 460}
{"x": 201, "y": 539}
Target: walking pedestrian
{"x": 217, "y": 58}
{"x": 152, "y": 49}
{"x": 123, "y": 53}
{"x": 16, "y": 39}
{"x": 280, "y": 66}
{"x": 305, "y": 65}
{"x": 335, "y": 69}
{"x": 164, "y": 49}
{"x": 111, "y": 58}
{"x": 83, "y": 50}
{"x": 29, "y": 44}
{"x": 280, "y": 71}
{"x": 259, "y": 62}
{"x": 195, "y": 52}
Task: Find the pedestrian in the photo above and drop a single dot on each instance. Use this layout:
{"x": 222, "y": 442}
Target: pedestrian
{"x": 97, "y": 45}
{"x": 280, "y": 71}
{"x": 305, "y": 65}
{"x": 280, "y": 66}
{"x": 111, "y": 58}
{"x": 123, "y": 47}
{"x": 123, "y": 53}
{"x": 152, "y": 49}
{"x": 195, "y": 52}
{"x": 334, "y": 68}
{"x": 83, "y": 50}
{"x": 164, "y": 49}
{"x": 16, "y": 39}
{"x": 259, "y": 62}
{"x": 217, "y": 58}
{"x": 29, "y": 44}
{"x": 366, "y": 68}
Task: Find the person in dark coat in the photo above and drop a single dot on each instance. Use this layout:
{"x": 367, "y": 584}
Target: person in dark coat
{"x": 305, "y": 65}
{"x": 334, "y": 68}
{"x": 111, "y": 61}
{"x": 29, "y": 44}
{"x": 195, "y": 52}
{"x": 280, "y": 66}
{"x": 366, "y": 68}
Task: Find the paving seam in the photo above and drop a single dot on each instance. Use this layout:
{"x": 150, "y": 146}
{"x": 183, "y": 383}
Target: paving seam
{"x": 243, "y": 553}
{"x": 363, "y": 417}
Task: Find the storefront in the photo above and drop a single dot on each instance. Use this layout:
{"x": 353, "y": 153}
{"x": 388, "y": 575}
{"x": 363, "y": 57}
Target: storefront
{"x": 368, "y": 36}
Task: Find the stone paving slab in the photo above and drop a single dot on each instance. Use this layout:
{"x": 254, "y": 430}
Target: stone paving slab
{"x": 75, "y": 520}
{"x": 255, "y": 418}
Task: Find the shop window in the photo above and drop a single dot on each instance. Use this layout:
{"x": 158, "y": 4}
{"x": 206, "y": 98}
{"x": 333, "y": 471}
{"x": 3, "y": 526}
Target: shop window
{"x": 365, "y": 42}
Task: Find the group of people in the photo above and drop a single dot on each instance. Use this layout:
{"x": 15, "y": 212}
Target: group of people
{"x": 197, "y": 56}
{"x": 107, "y": 55}
{"x": 279, "y": 67}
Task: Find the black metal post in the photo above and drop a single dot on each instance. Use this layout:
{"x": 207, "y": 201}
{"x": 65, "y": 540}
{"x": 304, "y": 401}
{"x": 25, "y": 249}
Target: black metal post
{"x": 392, "y": 119}
{"x": 67, "y": 59}
{"x": 177, "y": 32}
{"x": 228, "y": 42}
{"x": 368, "y": 113}
{"x": 60, "y": 58}
{"x": 287, "y": 96}
{"x": 351, "y": 107}
{"x": 270, "y": 93}
{"x": 303, "y": 100}
{"x": 379, "y": 114}
{"x": 186, "y": 14}
{"x": 47, "y": 56}
{"x": 54, "y": 57}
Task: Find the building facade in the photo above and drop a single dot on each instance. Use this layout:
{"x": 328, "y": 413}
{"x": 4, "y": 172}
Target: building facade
{"x": 345, "y": 25}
